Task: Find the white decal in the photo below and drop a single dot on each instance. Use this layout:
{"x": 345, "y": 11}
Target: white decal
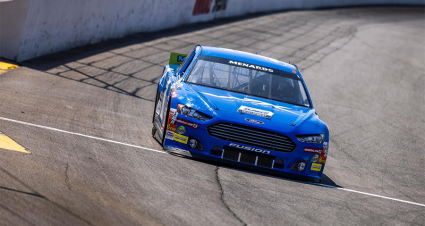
{"x": 255, "y": 67}
{"x": 325, "y": 146}
{"x": 172, "y": 111}
{"x": 158, "y": 107}
{"x": 173, "y": 115}
{"x": 169, "y": 135}
{"x": 249, "y": 148}
{"x": 255, "y": 111}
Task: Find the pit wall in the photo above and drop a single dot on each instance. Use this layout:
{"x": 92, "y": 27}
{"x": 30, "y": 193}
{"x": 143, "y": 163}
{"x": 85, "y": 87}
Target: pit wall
{"x": 46, "y": 26}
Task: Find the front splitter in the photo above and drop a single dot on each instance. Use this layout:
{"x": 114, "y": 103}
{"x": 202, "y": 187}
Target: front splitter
{"x": 190, "y": 154}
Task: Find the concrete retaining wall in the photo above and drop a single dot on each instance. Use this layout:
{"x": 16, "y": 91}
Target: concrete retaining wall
{"x": 13, "y": 15}
{"x": 53, "y": 26}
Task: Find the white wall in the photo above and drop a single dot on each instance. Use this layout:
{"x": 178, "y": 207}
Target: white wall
{"x": 53, "y": 26}
{"x": 13, "y": 15}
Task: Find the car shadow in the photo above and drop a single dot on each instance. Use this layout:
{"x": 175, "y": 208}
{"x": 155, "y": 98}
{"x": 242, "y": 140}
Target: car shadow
{"x": 325, "y": 182}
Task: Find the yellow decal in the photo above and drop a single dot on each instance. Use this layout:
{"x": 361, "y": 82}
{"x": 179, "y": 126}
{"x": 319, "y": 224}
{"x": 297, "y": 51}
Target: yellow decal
{"x": 316, "y": 167}
{"x": 177, "y": 58}
{"x": 171, "y": 127}
{"x": 180, "y": 138}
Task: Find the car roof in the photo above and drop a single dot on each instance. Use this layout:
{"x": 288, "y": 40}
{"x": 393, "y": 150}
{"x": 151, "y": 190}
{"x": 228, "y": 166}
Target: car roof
{"x": 247, "y": 57}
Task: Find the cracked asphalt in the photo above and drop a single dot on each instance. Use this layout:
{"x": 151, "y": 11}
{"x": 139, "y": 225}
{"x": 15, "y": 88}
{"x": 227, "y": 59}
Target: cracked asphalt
{"x": 365, "y": 70}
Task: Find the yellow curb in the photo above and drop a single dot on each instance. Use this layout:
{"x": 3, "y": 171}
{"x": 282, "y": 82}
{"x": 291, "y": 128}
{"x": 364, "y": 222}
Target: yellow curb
{"x": 7, "y": 66}
{"x": 9, "y": 144}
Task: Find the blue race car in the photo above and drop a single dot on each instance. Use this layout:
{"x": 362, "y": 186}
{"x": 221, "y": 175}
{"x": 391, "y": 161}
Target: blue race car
{"x": 240, "y": 108}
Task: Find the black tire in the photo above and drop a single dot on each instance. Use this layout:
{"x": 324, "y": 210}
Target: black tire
{"x": 156, "y": 102}
{"x": 153, "y": 130}
{"x": 166, "y": 121}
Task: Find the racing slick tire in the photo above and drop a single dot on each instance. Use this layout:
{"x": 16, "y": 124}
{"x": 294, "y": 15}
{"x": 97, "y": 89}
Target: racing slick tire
{"x": 156, "y": 102}
{"x": 154, "y": 113}
{"x": 166, "y": 122}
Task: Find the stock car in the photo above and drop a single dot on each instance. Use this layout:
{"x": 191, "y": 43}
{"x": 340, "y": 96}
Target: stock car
{"x": 242, "y": 109}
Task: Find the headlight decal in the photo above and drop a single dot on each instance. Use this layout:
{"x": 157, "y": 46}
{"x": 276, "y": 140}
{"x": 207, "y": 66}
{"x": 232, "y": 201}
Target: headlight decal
{"x": 192, "y": 113}
{"x": 315, "y": 138}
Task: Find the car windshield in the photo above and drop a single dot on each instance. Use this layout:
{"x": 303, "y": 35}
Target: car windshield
{"x": 248, "y": 79}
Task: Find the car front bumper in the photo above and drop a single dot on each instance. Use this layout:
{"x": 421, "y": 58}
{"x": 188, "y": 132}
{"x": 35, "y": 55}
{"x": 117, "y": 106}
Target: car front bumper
{"x": 240, "y": 154}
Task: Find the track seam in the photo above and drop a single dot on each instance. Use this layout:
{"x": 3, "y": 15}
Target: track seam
{"x": 223, "y": 200}
{"x": 67, "y": 177}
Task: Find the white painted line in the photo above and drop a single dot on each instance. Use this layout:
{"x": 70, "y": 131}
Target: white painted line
{"x": 344, "y": 189}
{"x": 82, "y": 135}
{"x": 150, "y": 149}
{"x": 379, "y": 196}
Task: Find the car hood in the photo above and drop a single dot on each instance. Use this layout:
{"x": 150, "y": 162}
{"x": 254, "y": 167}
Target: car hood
{"x": 230, "y": 102}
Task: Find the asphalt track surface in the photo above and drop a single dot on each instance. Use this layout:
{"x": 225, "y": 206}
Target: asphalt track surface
{"x": 85, "y": 116}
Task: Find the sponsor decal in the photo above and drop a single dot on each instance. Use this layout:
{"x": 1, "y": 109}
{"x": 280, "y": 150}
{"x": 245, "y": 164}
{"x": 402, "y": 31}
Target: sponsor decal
{"x": 187, "y": 123}
{"x": 180, "y": 138}
{"x": 202, "y": 7}
{"x": 176, "y": 58}
{"x": 171, "y": 127}
{"x": 249, "y": 148}
{"x": 181, "y": 130}
{"x": 158, "y": 107}
{"x": 254, "y": 121}
{"x": 324, "y": 154}
{"x": 255, "y": 67}
{"x": 173, "y": 111}
{"x": 219, "y": 5}
{"x": 255, "y": 111}
{"x": 173, "y": 93}
{"x": 172, "y": 119}
{"x": 325, "y": 149}
{"x": 315, "y": 158}
{"x": 181, "y": 58}
{"x": 316, "y": 167}
{"x": 169, "y": 135}
{"x": 313, "y": 150}
{"x": 174, "y": 88}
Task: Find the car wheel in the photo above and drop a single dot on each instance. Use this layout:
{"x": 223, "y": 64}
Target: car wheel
{"x": 166, "y": 122}
{"x": 154, "y": 108}
{"x": 153, "y": 131}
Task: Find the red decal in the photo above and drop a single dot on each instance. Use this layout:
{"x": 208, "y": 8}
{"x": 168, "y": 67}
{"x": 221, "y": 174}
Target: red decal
{"x": 202, "y": 7}
{"x": 324, "y": 155}
{"x": 187, "y": 123}
{"x": 313, "y": 150}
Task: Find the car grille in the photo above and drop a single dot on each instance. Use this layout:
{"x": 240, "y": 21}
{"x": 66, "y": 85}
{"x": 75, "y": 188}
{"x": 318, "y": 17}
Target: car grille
{"x": 248, "y": 157}
{"x": 252, "y": 136}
